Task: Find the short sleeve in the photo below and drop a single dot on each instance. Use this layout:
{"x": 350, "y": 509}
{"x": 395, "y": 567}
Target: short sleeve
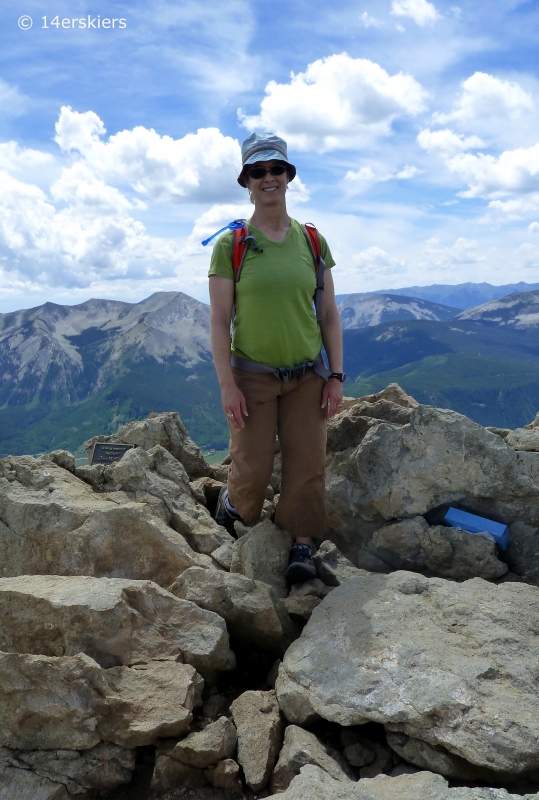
{"x": 221, "y": 257}
{"x": 325, "y": 252}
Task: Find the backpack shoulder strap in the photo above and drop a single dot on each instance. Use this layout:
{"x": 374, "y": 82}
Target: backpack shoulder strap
{"x": 313, "y": 240}
{"x": 240, "y": 245}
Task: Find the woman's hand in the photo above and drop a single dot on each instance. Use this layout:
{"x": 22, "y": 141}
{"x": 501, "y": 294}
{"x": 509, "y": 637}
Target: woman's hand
{"x": 234, "y": 405}
{"x": 333, "y": 394}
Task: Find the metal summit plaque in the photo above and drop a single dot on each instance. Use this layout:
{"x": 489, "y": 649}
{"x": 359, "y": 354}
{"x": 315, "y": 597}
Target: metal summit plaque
{"x": 108, "y": 453}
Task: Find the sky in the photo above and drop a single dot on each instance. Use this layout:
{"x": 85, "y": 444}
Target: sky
{"x": 414, "y": 127}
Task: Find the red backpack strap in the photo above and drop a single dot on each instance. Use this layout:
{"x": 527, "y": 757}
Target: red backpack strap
{"x": 313, "y": 240}
{"x": 240, "y": 245}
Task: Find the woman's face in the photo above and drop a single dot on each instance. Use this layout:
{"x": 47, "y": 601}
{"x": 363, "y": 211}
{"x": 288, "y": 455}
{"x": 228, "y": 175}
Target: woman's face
{"x": 269, "y": 190}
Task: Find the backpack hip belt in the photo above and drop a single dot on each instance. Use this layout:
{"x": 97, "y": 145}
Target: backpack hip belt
{"x": 285, "y": 374}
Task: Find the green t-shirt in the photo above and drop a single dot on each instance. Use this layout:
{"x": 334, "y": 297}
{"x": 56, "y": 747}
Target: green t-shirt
{"x": 275, "y": 322}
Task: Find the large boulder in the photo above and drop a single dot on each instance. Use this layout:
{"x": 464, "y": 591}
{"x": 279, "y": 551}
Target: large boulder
{"x": 313, "y": 782}
{"x": 105, "y": 766}
{"x": 114, "y": 621}
{"x": 164, "y": 429}
{"x": 387, "y": 462}
{"x": 454, "y": 665}
{"x": 412, "y": 544}
{"x": 524, "y": 439}
{"x": 202, "y": 749}
{"x": 71, "y": 703}
{"x": 262, "y": 554}
{"x": 257, "y": 719}
{"x": 254, "y": 615}
{"x": 53, "y": 523}
{"x": 302, "y": 747}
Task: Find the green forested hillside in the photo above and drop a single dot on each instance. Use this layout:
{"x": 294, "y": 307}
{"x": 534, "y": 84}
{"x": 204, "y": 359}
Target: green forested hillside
{"x": 147, "y": 386}
{"x": 488, "y": 372}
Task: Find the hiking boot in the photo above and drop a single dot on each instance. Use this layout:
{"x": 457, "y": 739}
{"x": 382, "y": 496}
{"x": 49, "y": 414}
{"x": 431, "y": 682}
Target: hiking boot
{"x": 300, "y": 564}
{"x": 222, "y": 515}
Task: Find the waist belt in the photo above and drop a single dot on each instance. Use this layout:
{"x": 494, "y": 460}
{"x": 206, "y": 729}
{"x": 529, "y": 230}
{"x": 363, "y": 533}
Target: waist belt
{"x": 284, "y": 374}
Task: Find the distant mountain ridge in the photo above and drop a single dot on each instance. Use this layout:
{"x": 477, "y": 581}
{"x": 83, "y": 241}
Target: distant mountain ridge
{"x": 365, "y": 310}
{"x": 517, "y": 310}
{"x": 69, "y": 372}
{"x": 461, "y": 295}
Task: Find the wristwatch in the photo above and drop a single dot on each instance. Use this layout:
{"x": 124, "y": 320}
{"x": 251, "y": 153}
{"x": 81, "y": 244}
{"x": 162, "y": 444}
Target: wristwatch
{"x": 341, "y": 376}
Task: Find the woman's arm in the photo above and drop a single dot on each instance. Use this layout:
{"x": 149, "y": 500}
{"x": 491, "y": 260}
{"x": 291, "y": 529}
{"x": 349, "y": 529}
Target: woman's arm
{"x": 221, "y": 304}
{"x": 332, "y": 338}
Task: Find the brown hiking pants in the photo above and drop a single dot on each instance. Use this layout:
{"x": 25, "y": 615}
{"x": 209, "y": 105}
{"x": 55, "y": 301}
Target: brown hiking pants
{"x": 293, "y": 411}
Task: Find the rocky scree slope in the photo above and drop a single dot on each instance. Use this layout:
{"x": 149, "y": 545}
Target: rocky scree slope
{"x": 139, "y": 638}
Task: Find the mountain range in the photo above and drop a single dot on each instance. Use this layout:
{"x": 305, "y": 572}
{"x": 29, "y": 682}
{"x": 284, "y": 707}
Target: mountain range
{"x": 69, "y": 372}
{"x": 463, "y": 295}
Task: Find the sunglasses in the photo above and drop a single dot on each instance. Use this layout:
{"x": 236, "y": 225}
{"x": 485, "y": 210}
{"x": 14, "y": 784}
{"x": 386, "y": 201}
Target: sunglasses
{"x": 260, "y": 172}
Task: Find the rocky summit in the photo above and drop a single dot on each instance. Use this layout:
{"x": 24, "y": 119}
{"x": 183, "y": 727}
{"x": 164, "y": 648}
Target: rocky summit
{"x": 147, "y": 653}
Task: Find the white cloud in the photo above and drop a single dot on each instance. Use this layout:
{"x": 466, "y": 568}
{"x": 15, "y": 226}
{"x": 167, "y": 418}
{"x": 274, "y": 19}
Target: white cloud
{"x": 446, "y": 143}
{"x": 200, "y": 167}
{"x": 73, "y": 247}
{"x": 12, "y": 102}
{"x": 513, "y": 209}
{"x": 533, "y": 227}
{"x": 528, "y": 255}
{"x": 13, "y": 157}
{"x": 374, "y": 262}
{"x": 514, "y": 171}
{"x": 484, "y": 95}
{"x": 369, "y": 21}
{"x": 422, "y": 12}
{"x": 366, "y": 176}
{"x": 407, "y": 172}
{"x": 464, "y": 251}
{"x": 338, "y": 102}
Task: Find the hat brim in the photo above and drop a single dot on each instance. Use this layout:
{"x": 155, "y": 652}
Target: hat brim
{"x": 266, "y": 155}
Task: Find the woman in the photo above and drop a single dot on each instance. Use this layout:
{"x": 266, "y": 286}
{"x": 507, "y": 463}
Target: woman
{"x": 275, "y": 326}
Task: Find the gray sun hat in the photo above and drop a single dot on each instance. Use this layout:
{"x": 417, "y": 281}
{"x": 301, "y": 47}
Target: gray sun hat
{"x": 263, "y": 146}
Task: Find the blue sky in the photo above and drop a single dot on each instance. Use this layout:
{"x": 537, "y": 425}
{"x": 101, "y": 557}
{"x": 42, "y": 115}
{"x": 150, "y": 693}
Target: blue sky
{"x": 413, "y": 126}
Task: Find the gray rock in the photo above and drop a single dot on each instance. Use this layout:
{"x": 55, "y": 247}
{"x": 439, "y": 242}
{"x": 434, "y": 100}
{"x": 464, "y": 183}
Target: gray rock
{"x": 300, "y": 607}
{"x": 262, "y": 554}
{"x": 502, "y": 432}
{"x": 223, "y": 555}
{"x": 22, "y": 784}
{"x": 332, "y": 566}
{"x": 524, "y": 439}
{"x": 438, "y": 457}
{"x": 53, "y": 523}
{"x": 164, "y": 429}
{"x": 226, "y": 776}
{"x": 436, "y": 759}
{"x": 114, "y": 621}
{"x": 315, "y": 783}
{"x": 436, "y": 551}
{"x": 205, "y": 748}
{"x": 62, "y": 458}
{"x": 254, "y": 615}
{"x": 454, "y": 665}
{"x": 71, "y": 702}
{"x": 105, "y": 766}
{"x": 359, "y": 755}
{"x": 156, "y": 476}
{"x": 301, "y": 747}
{"x": 258, "y": 722}
{"x": 171, "y": 774}
{"x": 522, "y": 555}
